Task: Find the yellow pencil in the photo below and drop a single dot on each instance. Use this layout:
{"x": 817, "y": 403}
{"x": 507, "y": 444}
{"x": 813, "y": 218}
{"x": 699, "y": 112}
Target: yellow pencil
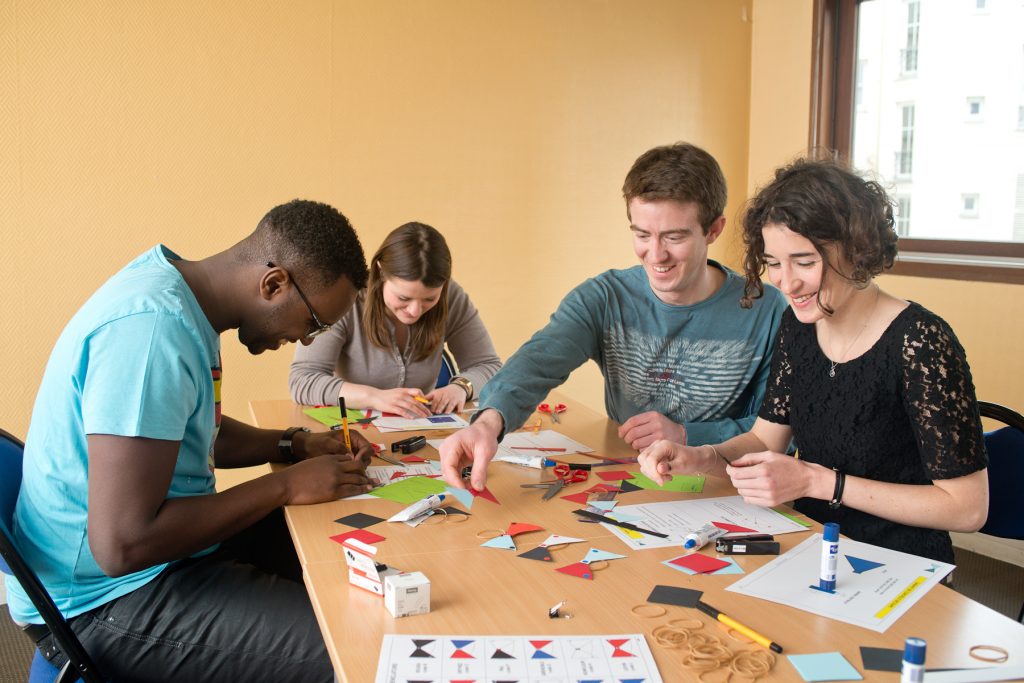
{"x": 737, "y": 626}
{"x": 422, "y": 400}
{"x": 344, "y": 423}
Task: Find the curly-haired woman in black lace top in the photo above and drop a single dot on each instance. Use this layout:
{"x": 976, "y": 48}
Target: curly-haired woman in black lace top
{"x": 875, "y": 391}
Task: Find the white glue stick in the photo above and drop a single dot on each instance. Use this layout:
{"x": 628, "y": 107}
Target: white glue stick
{"x": 697, "y": 539}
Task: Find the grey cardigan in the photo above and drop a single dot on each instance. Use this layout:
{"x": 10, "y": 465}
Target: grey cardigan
{"x": 346, "y": 354}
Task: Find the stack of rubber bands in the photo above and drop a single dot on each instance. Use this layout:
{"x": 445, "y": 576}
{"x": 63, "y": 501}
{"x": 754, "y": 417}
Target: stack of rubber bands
{"x": 705, "y": 653}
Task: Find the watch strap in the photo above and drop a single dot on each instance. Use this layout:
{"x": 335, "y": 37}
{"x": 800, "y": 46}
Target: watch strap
{"x": 284, "y": 445}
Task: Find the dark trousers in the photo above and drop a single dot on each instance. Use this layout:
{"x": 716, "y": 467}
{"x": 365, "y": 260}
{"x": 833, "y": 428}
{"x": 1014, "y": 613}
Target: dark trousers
{"x": 240, "y": 614}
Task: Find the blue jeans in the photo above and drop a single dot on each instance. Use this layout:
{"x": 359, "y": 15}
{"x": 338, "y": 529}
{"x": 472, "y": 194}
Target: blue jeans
{"x": 239, "y": 614}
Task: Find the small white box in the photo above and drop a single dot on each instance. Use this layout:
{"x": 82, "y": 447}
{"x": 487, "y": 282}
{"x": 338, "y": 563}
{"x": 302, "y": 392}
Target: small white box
{"x": 407, "y": 594}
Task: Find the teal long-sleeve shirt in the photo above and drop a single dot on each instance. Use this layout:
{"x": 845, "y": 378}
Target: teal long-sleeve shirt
{"x": 702, "y": 365}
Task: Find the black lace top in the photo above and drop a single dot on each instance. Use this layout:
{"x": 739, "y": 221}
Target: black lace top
{"x": 903, "y": 412}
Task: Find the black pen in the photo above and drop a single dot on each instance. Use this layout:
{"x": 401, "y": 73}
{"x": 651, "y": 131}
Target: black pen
{"x": 624, "y": 525}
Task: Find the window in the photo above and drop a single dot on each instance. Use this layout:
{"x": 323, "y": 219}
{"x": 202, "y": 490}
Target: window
{"x": 974, "y": 105}
{"x": 905, "y": 156}
{"x": 928, "y": 126}
{"x": 908, "y": 56}
{"x": 969, "y": 205}
{"x": 902, "y": 215}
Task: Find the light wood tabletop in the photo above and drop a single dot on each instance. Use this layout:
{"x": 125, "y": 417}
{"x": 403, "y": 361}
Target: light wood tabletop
{"x": 485, "y": 591}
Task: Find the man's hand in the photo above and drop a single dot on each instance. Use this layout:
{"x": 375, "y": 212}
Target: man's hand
{"x": 475, "y": 445}
{"x": 662, "y": 458}
{"x": 768, "y": 478}
{"x": 449, "y": 399}
{"x": 640, "y": 431}
{"x": 324, "y": 478}
{"x": 333, "y": 442}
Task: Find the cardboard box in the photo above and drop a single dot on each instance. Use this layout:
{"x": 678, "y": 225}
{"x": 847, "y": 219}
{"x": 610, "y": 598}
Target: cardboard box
{"x": 407, "y": 594}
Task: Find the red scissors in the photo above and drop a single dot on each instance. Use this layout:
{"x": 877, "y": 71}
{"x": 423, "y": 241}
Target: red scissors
{"x": 565, "y": 474}
{"x": 553, "y": 411}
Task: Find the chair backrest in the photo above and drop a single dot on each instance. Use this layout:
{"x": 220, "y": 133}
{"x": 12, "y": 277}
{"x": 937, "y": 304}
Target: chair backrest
{"x": 1005, "y": 472}
{"x": 79, "y": 665}
{"x": 448, "y": 370}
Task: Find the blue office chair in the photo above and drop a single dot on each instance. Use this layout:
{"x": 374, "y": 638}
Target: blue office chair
{"x": 79, "y": 666}
{"x": 448, "y": 370}
{"x": 1005, "y": 474}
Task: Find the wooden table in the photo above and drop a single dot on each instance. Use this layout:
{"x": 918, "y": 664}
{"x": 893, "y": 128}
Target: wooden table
{"x": 483, "y": 591}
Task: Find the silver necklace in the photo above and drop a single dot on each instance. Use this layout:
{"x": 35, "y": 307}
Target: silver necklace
{"x": 833, "y": 363}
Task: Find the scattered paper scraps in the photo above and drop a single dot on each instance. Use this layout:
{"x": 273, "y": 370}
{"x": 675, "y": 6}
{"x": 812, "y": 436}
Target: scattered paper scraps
{"x": 674, "y": 595}
{"x": 358, "y": 534}
{"x": 678, "y": 483}
{"x": 503, "y": 542}
{"x": 359, "y": 520}
{"x": 708, "y": 565}
{"x": 824, "y": 666}
{"x": 485, "y": 494}
{"x": 578, "y": 569}
{"x": 516, "y": 528}
{"x": 331, "y": 415}
{"x": 595, "y": 554}
{"x": 734, "y": 528}
{"x": 881, "y": 659}
{"x": 583, "y": 497}
{"x": 539, "y": 553}
{"x": 617, "y": 475}
{"x": 408, "y": 490}
{"x": 555, "y": 539}
{"x": 461, "y": 495}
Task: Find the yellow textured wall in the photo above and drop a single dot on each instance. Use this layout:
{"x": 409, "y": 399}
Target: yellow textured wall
{"x": 509, "y": 126}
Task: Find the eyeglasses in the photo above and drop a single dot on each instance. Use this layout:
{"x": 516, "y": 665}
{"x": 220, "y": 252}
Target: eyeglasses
{"x": 318, "y": 327}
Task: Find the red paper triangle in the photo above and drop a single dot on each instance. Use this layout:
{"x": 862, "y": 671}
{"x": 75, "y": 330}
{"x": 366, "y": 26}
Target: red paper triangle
{"x": 734, "y": 528}
{"x": 702, "y": 564}
{"x": 358, "y": 534}
{"x": 579, "y": 570}
{"x": 617, "y": 475}
{"x": 538, "y": 644}
{"x": 579, "y": 498}
{"x": 461, "y": 654}
{"x": 398, "y": 475}
{"x": 521, "y": 528}
{"x": 486, "y": 493}
{"x": 413, "y": 458}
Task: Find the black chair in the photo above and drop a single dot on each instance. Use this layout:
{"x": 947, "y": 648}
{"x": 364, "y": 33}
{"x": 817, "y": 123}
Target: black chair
{"x": 79, "y": 666}
{"x": 1005, "y": 475}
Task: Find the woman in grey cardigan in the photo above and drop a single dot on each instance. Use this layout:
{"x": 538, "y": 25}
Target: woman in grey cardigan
{"x": 385, "y": 354}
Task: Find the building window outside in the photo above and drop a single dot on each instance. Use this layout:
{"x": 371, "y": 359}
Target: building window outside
{"x": 974, "y": 108}
{"x": 903, "y": 216}
{"x": 908, "y": 56}
{"x": 905, "y": 156}
{"x": 969, "y": 205}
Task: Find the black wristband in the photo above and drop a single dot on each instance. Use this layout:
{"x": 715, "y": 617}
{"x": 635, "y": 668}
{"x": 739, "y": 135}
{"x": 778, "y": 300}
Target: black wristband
{"x": 284, "y": 446}
{"x": 837, "y": 494}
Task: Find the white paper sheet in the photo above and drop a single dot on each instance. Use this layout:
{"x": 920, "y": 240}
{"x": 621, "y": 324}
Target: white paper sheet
{"x": 422, "y": 424}
{"x": 679, "y": 517}
{"x": 526, "y": 659}
{"x": 874, "y": 586}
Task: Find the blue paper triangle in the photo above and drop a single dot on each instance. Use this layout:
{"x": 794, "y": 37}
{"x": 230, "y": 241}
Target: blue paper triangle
{"x": 861, "y": 565}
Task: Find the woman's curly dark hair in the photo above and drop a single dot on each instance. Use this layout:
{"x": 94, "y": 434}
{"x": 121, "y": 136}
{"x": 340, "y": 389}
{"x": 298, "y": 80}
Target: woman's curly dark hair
{"x": 824, "y": 201}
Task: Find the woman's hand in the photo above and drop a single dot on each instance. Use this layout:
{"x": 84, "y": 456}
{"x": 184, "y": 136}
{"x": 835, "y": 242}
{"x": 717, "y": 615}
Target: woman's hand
{"x": 449, "y": 399}
{"x": 401, "y": 402}
{"x": 659, "y": 460}
{"x": 768, "y": 478}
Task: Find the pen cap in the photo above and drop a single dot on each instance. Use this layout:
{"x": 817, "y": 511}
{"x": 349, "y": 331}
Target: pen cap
{"x": 914, "y": 651}
{"x": 831, "y": 532}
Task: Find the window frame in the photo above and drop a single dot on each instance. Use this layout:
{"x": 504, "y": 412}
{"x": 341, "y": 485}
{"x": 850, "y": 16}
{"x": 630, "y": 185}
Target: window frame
{"x": 833, "y": 71}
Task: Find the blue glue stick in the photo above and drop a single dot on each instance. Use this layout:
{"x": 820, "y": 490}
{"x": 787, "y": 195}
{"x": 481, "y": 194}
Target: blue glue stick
{"x": 697, "y": 539}
{"x": 913, "y": 661}
{"x": 829, "y": 555}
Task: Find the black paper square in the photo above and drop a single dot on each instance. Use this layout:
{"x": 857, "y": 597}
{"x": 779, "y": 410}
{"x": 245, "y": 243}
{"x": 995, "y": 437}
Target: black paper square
{"x": 359, "y": 520}
{"x": 674, "y": 595}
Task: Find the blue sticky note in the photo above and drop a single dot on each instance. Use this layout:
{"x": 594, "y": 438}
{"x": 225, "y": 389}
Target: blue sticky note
{"x": 825, "y": 666}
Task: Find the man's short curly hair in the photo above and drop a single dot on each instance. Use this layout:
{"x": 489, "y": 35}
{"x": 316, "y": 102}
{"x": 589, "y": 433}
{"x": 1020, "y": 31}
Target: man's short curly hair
{"x": 680, "y": 172}
{"x": 824, "y": 201}
{"x": 312, "y": 239}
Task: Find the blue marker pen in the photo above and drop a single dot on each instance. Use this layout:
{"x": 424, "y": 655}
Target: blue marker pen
{"x": 913, "y": 661}
{"x": 829, "y": 555}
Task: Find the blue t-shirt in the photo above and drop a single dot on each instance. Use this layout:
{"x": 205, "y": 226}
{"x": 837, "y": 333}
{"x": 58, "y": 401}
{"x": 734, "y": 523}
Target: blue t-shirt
{"x": 139, "y": 359}
{"x": 703, "y": 365}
